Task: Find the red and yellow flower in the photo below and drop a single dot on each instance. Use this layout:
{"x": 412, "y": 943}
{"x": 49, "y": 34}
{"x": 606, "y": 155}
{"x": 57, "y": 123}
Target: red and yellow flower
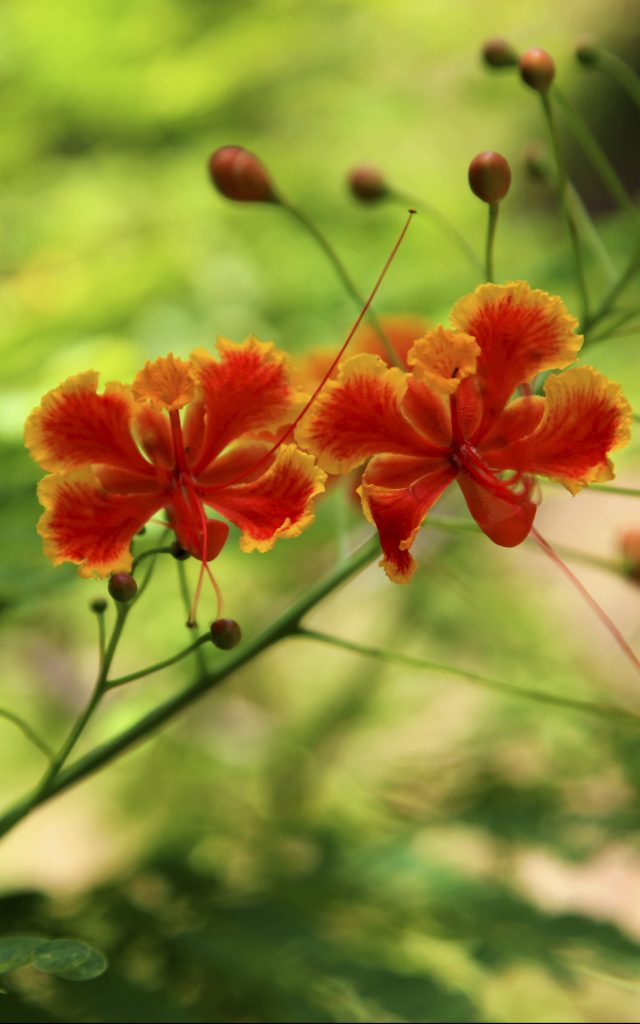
{"x": 453, "y": 417}
{"x": 183, "y": 438}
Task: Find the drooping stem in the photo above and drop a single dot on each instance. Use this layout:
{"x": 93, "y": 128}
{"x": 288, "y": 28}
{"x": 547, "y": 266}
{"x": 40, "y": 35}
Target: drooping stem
{"x": 195, "y": 646}
{"x": 619, "y": 71}
{"x": 562, "y": 194}
{"x": 30, "y": 734}
{"x": 342, "y": 272}
{"x": 512, "y": 690}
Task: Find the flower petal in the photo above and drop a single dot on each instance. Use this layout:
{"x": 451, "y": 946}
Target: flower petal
{"x": 428, "y": 412}
{"x": 247, "y": 390}
{"x": 519, "y": 419}
{"x": 398, "y": 512}
{"x": 358, "y": 415}
{"x": 277, "y": 504}
{"x": 86, "y": 524}
{"x": 168, "y": 383}
{"x": 520, "y": 332}
{"x": 74, "y": 426}
{"x": 504, "y": 522}
{"x": 585, "y": 417}
{"x": 237, "y": 461}
{"x": 442, "y": 358}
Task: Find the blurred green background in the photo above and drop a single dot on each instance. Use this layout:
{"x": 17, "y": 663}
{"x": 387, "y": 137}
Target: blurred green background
{"x": 326, "y": 838}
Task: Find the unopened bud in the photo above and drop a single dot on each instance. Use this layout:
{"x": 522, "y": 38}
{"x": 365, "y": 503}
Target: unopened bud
{"x": 537, "y": 69}
{"x": 630, "y": 549}
{"x": 98, "y": 605}
{"x": 225, "y": 633}
{"x": 178, "y": 552}
{"x": 498, "y": 53}
{"x": 536, "y": 161}
{"x": 587, "y": 53}
{"x": 367, "y": 184}
{"x": 122, "y": 587}
{"x": 240, "y": 175}
{"x": 489, "y": 176}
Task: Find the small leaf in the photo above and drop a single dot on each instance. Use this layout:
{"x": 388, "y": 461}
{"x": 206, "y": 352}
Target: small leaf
{"x": 17, "y": 950}
{"x": 67, "y": 957}
{"x": 93, "y": 967}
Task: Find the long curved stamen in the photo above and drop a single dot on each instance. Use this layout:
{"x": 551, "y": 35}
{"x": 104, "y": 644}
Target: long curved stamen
{"x": 591, "y": 601}
{"x": 292, "y": 426}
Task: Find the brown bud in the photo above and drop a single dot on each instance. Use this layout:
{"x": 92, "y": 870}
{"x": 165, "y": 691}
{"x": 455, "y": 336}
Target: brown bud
{"x": 178, "y": 552}
{"x": 489, "y": 176}
{"x": 240, "y": 175}
{"x": 587, "y": 53}
{"x": 98, "y": 605}
{"x": 367, "y": 184}
{"x": 225, "y": 633}
{"x": 630, "y": 548}
{"x": 498, "y": 53}
{"x": 537, "y": 69}
{"x": 122, "y": 587}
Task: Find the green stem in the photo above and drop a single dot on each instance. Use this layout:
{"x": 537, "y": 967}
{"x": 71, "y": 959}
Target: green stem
{"x": 186, "y": 600}
{"x": 603, "y": 309}
{"x": 584, "y": 222}
{"x": 102, "y": 638}
{"x": 149, "y": 553}
{"x": 562, "y": 182}
{"x": 618, "y": 70}
{"x": 591, "y": 707}
{"x": 43, "y": 747}
{"x": 594, "y": 152}
{"x": 141, "y": 673}
{"x": 342, "y": 273}
{"x": 492, "y": 223}
{"x": 285, "y": 625}
{"x": 630, "y": 492}
{"x": 612, "y": 329}
{"x": 432, "y": 211}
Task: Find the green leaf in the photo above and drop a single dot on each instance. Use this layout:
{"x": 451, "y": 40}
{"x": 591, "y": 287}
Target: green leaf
{"x": 71, "y": 959}
{"x": 17, "y": 950}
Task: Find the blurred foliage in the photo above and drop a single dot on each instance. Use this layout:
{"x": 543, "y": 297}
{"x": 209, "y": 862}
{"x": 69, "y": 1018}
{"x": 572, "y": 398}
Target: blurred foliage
{"x": 326, "y": 838}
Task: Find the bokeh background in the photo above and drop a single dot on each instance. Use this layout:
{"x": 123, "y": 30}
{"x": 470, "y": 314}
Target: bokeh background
{"x": 326, "y": 838}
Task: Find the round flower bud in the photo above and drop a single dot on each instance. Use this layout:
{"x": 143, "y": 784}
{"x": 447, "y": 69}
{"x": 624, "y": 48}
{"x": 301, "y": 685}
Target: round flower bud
{"x": 630, "y": 549}
{"x": 537, "y": 69}
{"x": 98, "y": 605}
{"x": 498, "y": 53}
{"x": 122, "y": 587}
{"x": 225, "y": 633}
{"x": 367, "y": 184}
{"x": 489, "y": 176}
{"x": 240, "y": 175}
{"x": 587, "y": 53}
{"x": 178, "y": 552}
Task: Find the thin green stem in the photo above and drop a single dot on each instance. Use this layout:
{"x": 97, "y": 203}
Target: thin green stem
{"x": 620, "y": 72}
{"x": 285, "y": 625}
{"x": 342, "y": 273}
{"x": 612, "y": 330}
{"x": 584, "y": 223}
{"x": 594, "y": 152}
{"x": 121, "y": 680}
{"x": 492, "y": 223}
{"x": 102, "y": 637}
{"x": 605, "y": 306}
{"x": 630, "y": 492}
{"x": 591, "y": 707}
{"x": 150, "y": 553}
{"x": 186, "y": 600}
{"x": 30, "y": 734}
{"x": 562, "y": 181}
{"x": 404, "y": 199}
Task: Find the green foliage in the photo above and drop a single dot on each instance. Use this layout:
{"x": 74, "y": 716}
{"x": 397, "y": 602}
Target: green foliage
{"x": 70, "y": 959}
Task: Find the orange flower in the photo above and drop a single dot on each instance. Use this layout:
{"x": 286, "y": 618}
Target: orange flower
{"x": 181, "y": 438}
{"x": 450, "y": 418}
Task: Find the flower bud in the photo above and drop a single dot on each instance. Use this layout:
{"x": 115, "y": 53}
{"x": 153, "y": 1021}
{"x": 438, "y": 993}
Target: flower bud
{"x": 630, "y": 548}
{"x": 240, "y": 175}
{"x": 536, "y": 161}
{"x": 489, "y": 176}
{"x": 498, "y": 53}
{"x": 537, "y": 69}
{"x": 122, "y": 587}
{"x": 587, "y": 53}
{"x": 178, "y": 552}
{"x": 98, "y": 605}
{"x": 225, "y": 633}
{"x": 367, "y": 184}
